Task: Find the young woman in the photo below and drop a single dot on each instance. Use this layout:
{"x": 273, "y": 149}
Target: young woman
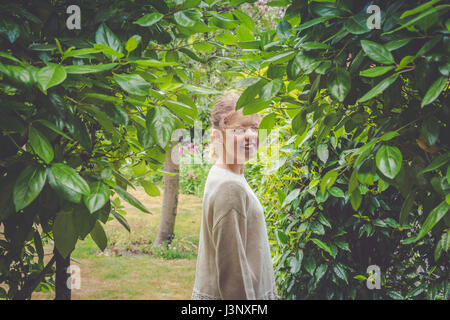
{"x": 234, "y": 260}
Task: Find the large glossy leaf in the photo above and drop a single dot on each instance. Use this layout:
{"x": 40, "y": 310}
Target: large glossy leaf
{"x": 434, "y": 217}
{"x": 161, "y": 124}
{"x": 28, "y": 186}
{"x": 377, "y": 52}
{"x": 98, "y": 196}
{"x": 149, "y": 19}
{"x": 83, "y": 221}
{"x": 64, "y": 233}
{"x": 339, "y": 83}
{"x": 83, "y": 69}
{"x": 437, "y": 163}
{"x": 67, "y": 182}
{"x": 99, "y": 236}
{"x": 328, "y": 180}
{"x": 271, "y": 89}
{"x": 105, "y": 36}
{"x": 389, "y": 160}
{"x": 187, "y": 18}
{"x": 50, "y": 76}
{"x": 291, "y": 197}
{"x": 434, "y": 91}
{"x": 375, "y": 72}
{"x": 186, "y": 112}
{"x": 379, "y": 88}
{"x": 133, "y": 83}
{"x": 41, "y": 146}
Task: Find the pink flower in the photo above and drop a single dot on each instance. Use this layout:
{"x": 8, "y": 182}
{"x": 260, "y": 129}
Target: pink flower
{"x": 191, "y": 175}
{"x": 190, "y": 144}
{"x": 181, "y": 150}
{"x": 192, "y": 149}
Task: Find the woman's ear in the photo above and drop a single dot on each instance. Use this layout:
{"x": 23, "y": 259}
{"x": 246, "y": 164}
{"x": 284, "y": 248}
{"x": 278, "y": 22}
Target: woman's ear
{"x": 217, "y": 135}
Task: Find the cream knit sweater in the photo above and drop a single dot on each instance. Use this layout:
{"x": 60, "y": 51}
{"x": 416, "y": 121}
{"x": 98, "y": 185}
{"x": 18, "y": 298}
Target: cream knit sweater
{"x": 234, "y": 260}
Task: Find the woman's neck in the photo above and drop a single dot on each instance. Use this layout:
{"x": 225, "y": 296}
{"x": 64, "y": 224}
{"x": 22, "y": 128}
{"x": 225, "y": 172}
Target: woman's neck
{"x": 233, "y": 167}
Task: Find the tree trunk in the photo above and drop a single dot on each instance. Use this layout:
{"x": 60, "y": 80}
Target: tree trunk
{"x": 62, "y": 291}
{"x": 170, "y": 202}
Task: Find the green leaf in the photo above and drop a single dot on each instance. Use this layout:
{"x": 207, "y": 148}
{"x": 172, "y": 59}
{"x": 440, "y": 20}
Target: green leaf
{"x": 64, "y": 233}
{"x": 83, "y": 69}
{"x": 434, "y": 91}
{"x": 149, "y": 19}
{"x": 41, "y": 146}
{"x": 116, "y": 114}
{"x": 121, "y": 220}
{"x": 186, "y": 112}
{"x": 271, "y": 89}
{"x": 406, "y": 207}
{"x": 322, "y": 152}
{"x": 418, "y": 9}
{"x": 340, "y": 272}
{"x": 314, "y": 45}
{"x": 448, "y": 174}
{"x": 336, "y": 192}
{"x": 419, "y": 17}
{"x": 267, "y": 123}
{"x": 430, "y": 130}
{"x": 355, "y": 199}
{"x": 353, "y": 183}
{"x": 389, "y": 160}
{"x": 308, "y": 212}
{"x": 433, "y": 218}
{"x": 339, "y": 83}
{"x": 437, "y": 163}
{"x": 150, "y": 188}
{"x": 105, "y": 36}
{"x": 187, "y": 18}
{"x": 299, "y": 122}
{"x": 328, "y": 180}
{"x": 379, "y": 88}
{"x": 99, "y": 236}
{"x": 357, "y": 24}
{"x": 389, "y": 135}
{"x": 161, "y": 124}
{"x": 133, "y": 83}
{"x": 67, "y": 182}
{"x": 50, "y": 76}
{"x": 321, "y": 245}
{"x": 51, "y": 126}
{"x": 320, "y": 272}
{"x": 284, "y": 29}
{"x": 227, "y": 38}
{"x": 377, "y": 52}
{"x": 98, "y": 196}
{"x": 375, "y": 72}
{"x": 291, "y": 197}
{"x": 283, "y": 238}
{"x": 133, "y": 43}
{"x": 83, "y": 221}
{"x": 130, "y": 199}
{"x": 28, "y": 186}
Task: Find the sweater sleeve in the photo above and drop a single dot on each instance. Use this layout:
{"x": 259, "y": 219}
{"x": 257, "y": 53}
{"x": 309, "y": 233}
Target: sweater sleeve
{"x": 229, "y": 234}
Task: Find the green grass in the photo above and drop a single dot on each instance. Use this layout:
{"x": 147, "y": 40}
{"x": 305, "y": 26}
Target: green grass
{"x": 129, "y": 268}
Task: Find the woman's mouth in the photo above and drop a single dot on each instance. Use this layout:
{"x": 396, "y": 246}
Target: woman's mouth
{"x": 249, "y": 147}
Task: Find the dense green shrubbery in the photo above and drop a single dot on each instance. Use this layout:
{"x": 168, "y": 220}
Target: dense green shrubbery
{"x": 365, "y": 175}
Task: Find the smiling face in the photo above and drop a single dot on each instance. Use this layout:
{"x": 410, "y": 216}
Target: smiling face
{"x": 240, "y": 138}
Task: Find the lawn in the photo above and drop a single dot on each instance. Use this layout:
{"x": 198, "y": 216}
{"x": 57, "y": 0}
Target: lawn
{"x": 129, "y": 268}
